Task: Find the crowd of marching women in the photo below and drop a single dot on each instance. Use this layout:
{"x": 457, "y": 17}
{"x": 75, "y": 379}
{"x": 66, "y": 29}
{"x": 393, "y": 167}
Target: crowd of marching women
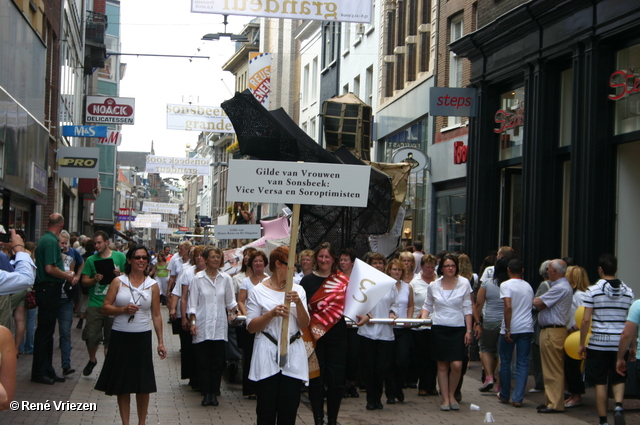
{"x": 339, "y": 357}
{"x": 290, "y": 337}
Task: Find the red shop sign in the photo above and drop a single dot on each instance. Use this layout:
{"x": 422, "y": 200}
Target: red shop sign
{"x": 630, "y": 83}
{"x": 460, "y": 151}
{"x": 508, "y": 120}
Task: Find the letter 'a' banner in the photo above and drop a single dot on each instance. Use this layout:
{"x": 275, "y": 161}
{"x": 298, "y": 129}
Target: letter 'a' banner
{"x": 367, "y": 286}
{"x": 320, "y": 10}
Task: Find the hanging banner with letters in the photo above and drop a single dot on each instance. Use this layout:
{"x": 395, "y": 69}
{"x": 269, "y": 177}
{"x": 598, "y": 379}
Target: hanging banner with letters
{"x": 211, "y": 119}
{"x": 160, "y": 207}
{"x": 336, "y": 10}
{"x": 260, "y": 77}
{"x": 171, "y": 165}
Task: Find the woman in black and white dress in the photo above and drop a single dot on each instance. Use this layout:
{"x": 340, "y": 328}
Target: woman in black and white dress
{"x": 134, "y": 299}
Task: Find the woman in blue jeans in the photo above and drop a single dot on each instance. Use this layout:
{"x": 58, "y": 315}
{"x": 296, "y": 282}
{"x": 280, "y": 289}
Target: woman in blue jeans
{"x": 517, "y": 331}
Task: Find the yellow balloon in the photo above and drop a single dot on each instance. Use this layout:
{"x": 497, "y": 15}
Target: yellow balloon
{"x": 578, "y": 316}
{"x": 572, "y": 344}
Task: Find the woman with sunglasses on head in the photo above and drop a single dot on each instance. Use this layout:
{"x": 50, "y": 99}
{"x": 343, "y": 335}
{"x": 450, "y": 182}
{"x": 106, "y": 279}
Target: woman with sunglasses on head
{"x": 278, "y": 381}
{"x": 211, "y": 304}
{"x": 134, "y": 299}
{"x": 448, "y": 305}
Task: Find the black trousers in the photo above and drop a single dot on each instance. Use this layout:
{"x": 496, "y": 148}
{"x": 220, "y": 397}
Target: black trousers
{"x": 188, "y": 360}
{"x": 48, "y": 299}
{"x": 376, "y": 360}
{"x": 423, "y": 366}
{"x": 400, "y": 358}
{"x": 353, "y": 353}
{"x": 278, "y": 400}
{"x": 573, "y": 376}
{"x": 210, "y": 357}
{"x": 245, "y": 341}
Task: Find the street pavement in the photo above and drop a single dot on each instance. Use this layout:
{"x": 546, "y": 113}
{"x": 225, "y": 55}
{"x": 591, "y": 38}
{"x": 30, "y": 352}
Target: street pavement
{"x": 176, "y": 404}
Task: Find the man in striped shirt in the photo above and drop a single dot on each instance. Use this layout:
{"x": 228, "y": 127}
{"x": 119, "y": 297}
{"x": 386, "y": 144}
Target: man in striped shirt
{"x": 607, "y": 303}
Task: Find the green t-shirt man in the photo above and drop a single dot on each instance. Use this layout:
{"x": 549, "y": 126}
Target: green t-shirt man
{"x": 48, "y": 253}
{"x": 98, "y": 291}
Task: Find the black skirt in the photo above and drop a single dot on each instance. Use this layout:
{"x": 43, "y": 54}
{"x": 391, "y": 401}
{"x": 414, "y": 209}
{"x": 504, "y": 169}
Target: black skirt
{"x": 128, "y": 367}
{"x": 447, "y": 343}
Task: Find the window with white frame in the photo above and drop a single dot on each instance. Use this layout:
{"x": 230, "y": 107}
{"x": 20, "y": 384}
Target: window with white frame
{"x": 455, "y": 61}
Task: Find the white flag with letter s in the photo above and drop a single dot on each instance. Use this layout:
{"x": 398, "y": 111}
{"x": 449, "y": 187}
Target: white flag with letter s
{"x": 367, "y": 286}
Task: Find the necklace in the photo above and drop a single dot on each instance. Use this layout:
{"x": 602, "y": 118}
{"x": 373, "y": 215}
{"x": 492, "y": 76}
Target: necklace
{"x": 275, "y": 287}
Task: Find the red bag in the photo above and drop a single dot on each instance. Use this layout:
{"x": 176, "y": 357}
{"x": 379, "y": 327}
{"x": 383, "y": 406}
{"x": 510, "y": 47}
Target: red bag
{"x": 30, "y": 300}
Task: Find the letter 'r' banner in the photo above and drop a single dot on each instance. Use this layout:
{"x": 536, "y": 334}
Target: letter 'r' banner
{"x": 367, "y": 286}
{"x": 318, "y": 10}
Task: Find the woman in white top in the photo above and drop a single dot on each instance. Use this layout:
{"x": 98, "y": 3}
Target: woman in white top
{"x": 245, "y": 270}
{"x": 211, "y": 305}
{"x": 257, "y": 262}
{"x": 448, "y": 305}
{"x": 397, "y": 374}
{"x": 423, "y": 369}
{"x": 307, "y": 262}
{"x": 278, "y": 387}
{"x": 409, "y": 262}
{"x": 188, "y": 365}
{"x": 376, "y": 340}
{"x": 134, "y": 299}
{"x": 579, "y": 280}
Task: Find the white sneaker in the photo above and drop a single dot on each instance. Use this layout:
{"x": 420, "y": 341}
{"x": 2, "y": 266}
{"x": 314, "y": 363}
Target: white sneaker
{"x": 534, "y": 390}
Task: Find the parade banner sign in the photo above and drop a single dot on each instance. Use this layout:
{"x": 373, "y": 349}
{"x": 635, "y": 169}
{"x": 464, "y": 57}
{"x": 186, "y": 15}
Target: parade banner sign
{"x": 336, "y": 10}
{"x": 210, "y": 119}
{"x": 160, "y": 208}
{"x": 146, "y": 220}
{"x": 367, "y": 286}
{"x": 307, "y": 183}
{"x": 185, "y": 166}
{"x": 239, "y": 231}
{"x": 260, "y": 77}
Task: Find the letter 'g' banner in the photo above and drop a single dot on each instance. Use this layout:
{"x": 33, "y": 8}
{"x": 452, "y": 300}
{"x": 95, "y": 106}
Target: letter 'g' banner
{"x": 367, "y": 286}
{"x": 320, "y": 10}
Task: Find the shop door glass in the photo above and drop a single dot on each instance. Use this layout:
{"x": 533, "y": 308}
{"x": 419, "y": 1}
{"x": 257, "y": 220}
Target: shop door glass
{"x": 512, "y": 209}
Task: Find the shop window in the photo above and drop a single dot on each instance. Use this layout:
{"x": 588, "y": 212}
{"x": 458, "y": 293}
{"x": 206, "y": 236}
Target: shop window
{"x": 566, "y": 106}
{"x": 451, "y": 221}
{"x": 455, "y": 62}
{"x": 509, "y": 121}
{"x": 625, "y": 83}
{"x": 511, "y": 228}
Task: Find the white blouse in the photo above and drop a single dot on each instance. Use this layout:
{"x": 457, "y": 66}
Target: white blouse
{"x": 185, "y": 278}
{"x": 209, "y": 301}
{"x": 382, "y": 331}
{"x": 140, "y": 296}
{"x": 265, "y": 361}
{"x": 449, "y": 307}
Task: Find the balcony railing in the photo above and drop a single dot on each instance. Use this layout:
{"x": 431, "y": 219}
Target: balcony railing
{"x": 96, "y": 27}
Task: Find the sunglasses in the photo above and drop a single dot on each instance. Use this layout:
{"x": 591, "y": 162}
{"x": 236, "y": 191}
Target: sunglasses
{"x": 140, "y": 257}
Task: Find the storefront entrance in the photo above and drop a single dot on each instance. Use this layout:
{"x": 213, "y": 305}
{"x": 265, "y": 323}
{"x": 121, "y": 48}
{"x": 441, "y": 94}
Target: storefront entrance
{"x": 628, "y": 208}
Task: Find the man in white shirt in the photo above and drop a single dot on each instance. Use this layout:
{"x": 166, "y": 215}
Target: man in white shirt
{"x": 24, "y": 274}
{"x": 517, "y": 331}
{"x": 175, "y": 265}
